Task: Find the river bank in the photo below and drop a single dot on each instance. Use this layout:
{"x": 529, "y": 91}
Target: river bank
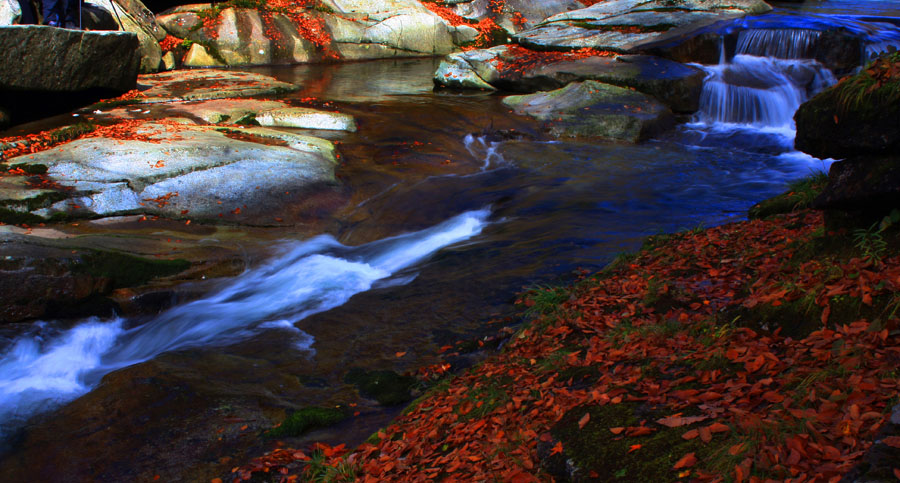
{"x": 188, "y": 288}
{"x": 760, "y": 350}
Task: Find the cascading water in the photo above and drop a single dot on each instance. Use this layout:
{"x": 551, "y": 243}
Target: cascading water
{"x": 46, "y": 367}
{"x": 482, "y": 147}
{"x": 766, "y": 81}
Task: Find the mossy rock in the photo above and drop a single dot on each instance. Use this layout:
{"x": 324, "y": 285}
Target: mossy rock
{"x": 307, "y": 419}
{"x": 126, "y": 270}
{"x": 594, "y": 453}
{"x": 798, "y": 196}
{"x": 386, "y": 387}
{"x": 858, "y": 116}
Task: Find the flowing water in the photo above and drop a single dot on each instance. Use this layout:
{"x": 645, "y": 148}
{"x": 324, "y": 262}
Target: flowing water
{"x": 453, "y": 206}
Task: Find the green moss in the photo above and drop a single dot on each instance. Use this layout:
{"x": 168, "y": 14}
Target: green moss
{"x": 13, "y": 217}
{"x": 32, "y": 169}
{"x": 874, "y": 86}
{"x": 247, "y": 120}
{"x": 306, "y": 419}
{"x": 386, "y": 387}
{"x": 798, "y": 196}
{"x": 111, "y": 103}
{"x": 72, "y": 132}
{"x": 599, "y": 455}
{"x": 126, "y": 270}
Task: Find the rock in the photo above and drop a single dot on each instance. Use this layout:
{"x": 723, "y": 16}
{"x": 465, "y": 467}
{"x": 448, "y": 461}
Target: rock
{"x": 306, "y": 118}
{"x": 475, "y": 69}
{"x": 848, "y": 120}
{"x": 44, "y": 277}
{"x": 344, "y": 29}
{"x": 184, "y": 171}
{"x": 73, "y": 60}
{"x": 865, "y": 184}
{"x": 515, "y": 15}
{"x": 677, "y": 85}
{"x": 168, "y": 61}
{"x": 10, "y": 12}
{"x": 620, "y": 25}
{"x": 134, "y": 17}
{"x": 207, "y": 84}
{"x": 222, "y": 110}
{"x": 594, "y": 109}
{"x": 197, "y": 56}
{"x": 403, "y": 25}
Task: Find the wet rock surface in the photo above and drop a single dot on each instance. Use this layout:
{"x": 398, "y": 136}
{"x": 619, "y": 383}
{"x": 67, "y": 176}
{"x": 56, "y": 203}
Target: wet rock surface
{"x": 593, "y": 109}
{"x": 518, "y": 70}
{"x": 620, "y": 25}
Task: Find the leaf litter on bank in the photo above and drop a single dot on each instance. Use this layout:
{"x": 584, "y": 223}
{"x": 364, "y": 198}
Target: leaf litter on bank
{"x": 657, "y": 331}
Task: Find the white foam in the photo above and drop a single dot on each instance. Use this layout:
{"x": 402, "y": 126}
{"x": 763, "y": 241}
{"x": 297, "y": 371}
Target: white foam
{"x": 308, "y": 278}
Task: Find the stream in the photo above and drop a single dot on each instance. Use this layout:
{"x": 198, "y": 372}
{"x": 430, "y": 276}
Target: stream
{"x": 418, "y": 258}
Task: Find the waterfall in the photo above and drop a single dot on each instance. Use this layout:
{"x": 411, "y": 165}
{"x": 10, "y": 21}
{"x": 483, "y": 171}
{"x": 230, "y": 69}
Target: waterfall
{"x": 778, "y": 43}
{"x": 48, "y": 366}
{"x": 764, "y": 84}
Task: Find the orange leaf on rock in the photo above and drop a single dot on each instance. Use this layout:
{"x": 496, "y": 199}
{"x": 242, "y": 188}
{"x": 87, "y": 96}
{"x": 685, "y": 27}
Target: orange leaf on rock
{"x": 400, "y": 354}
{"x": 686, "y": 461}
{"x": 616, "y": 430}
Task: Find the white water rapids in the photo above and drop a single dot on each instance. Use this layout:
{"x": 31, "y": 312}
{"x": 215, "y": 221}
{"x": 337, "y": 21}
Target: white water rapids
{"x": 39, "y": 371}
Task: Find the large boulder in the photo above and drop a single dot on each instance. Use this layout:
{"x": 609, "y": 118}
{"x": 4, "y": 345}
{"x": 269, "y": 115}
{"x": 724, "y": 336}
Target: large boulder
{"x": 336, "y": 29}
{"x": 620, "y": 25}
{"x": 70, "y": 60}
{"x": 862, "y": 184}
{"x": 516, "y": 69}
{"x": 594, "y": 109}
{"x": 133, "y": 16}
{"x": 855, "y": 117}
{"x": 179, "y": 170}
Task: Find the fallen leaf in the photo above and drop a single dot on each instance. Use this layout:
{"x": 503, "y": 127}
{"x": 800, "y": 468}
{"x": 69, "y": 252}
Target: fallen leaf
{"x": 686, "y": 461}
{"x": 736, "y": 449}
{"x": 557, "y": 449}
{"x": 616, "y": 430}
{"x": 634, "y": 447}
{"x": 690, "y": 434}
{"x": 400, "y": 354}
{"x": 892, "y": 441}
{"x": 584, "y": 420}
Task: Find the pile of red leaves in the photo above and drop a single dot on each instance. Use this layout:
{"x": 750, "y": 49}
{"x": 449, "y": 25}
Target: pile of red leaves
{"x": 799, "y": 409}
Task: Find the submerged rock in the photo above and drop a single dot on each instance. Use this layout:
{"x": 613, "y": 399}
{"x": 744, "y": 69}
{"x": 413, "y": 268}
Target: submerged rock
{"x": 594, "y": 109}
